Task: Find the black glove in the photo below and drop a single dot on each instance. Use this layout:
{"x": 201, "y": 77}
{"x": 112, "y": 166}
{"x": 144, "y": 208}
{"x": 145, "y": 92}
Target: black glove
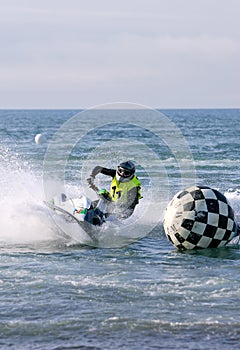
{"x": 90, "y": 180}
{"x": 105, "y": 194}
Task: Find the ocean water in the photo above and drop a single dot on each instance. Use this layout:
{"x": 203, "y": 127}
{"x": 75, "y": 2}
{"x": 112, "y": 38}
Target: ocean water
{"x": 132, "y": 290}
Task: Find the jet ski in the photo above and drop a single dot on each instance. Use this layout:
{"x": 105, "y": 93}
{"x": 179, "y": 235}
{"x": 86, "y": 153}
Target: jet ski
{"x": 90, "y": 216}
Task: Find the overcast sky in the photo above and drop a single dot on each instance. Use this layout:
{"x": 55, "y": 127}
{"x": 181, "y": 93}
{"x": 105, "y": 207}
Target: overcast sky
{"x": 80, "y": 53}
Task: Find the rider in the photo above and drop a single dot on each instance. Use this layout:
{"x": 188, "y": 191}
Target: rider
{"x": 124, "y": 190}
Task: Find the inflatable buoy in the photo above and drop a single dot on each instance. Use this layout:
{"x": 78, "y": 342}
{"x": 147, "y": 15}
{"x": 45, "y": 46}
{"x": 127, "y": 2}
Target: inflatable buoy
{"x": 199, "y": 217}
{"x": 40, "y": 138}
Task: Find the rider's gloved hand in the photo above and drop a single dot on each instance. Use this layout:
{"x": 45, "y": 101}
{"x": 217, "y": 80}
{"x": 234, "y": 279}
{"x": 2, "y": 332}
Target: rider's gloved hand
{"x": 90, "y": 180}
{"x": 105, "y": 194}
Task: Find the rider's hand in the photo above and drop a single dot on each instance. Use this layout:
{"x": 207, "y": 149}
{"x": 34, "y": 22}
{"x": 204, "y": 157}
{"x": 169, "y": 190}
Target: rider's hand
{"x": 105, "y": 194}
{"x": 90, "y": 180}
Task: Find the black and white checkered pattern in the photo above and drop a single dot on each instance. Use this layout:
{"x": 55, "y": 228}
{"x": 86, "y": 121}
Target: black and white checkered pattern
{"x": 199, "y": 217}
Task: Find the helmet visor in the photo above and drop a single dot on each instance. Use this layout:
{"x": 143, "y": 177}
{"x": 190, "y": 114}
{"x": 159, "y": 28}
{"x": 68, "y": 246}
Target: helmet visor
{"x": 123, "y": 172}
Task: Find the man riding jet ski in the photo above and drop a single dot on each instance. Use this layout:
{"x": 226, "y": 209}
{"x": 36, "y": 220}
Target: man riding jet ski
{"x": 124, "y": 193}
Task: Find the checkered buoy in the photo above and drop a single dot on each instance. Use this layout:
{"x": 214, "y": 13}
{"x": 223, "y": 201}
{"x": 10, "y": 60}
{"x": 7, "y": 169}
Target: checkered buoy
{"x": 199, "y": 217}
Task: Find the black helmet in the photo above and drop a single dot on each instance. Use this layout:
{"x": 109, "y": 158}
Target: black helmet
{"x": 125, "y": 171}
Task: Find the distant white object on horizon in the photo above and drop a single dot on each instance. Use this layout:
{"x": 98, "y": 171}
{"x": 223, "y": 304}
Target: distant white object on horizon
{"x": 40, "y": 138}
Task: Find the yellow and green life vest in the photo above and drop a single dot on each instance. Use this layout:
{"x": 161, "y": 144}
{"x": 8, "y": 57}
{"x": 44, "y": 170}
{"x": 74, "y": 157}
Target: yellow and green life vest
{"x": 119, "y": 190}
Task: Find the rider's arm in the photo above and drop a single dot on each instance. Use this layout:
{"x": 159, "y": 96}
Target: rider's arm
{"x": 97, "y": 170}
{"x": 104, "y": 171}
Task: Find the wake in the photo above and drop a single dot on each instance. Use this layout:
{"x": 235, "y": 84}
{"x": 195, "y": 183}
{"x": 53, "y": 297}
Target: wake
{"x": 25, "y": 219}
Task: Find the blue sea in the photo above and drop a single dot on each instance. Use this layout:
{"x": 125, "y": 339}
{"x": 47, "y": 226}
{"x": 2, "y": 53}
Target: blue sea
{"x": 133, "y": 290}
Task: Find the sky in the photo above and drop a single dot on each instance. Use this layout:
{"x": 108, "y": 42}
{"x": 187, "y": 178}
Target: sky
{"x": 157, "y": 53}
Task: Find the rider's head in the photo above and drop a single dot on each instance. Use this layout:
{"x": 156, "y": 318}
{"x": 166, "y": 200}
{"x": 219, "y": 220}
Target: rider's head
{"x": 125, "y": 171}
